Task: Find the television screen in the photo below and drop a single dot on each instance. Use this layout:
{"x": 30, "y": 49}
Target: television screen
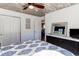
{"x": 74, "y": 33}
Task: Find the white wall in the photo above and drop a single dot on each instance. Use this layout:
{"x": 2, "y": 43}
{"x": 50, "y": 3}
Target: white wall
{"x": 69, "y": 14}
{"x": 26, "y": 34}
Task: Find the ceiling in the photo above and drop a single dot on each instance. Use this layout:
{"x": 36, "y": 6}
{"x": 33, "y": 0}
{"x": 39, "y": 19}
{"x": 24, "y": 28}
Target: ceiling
{"x": 49, "y": 7}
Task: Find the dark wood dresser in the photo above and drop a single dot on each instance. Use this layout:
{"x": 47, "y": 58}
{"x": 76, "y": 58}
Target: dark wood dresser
{"x": 71, "y": 45}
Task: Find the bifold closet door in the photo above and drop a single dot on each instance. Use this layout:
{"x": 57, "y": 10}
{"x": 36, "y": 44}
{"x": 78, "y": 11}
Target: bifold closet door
{"x": 9, "y": 30}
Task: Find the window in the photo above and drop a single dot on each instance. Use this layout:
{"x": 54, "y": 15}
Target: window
{"x": 28, "y": 23}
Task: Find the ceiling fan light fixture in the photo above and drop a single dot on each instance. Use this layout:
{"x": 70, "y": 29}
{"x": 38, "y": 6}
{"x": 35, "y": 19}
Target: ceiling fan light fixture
{"x": 31, "y": 7}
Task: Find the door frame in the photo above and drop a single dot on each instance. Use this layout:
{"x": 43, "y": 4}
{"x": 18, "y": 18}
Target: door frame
{"x": 19, "y": 20}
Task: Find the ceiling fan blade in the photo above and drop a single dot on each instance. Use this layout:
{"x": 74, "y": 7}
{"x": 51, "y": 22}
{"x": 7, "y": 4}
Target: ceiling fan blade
{"x": 38, "y": 6}
{"x": 25, "y": 8}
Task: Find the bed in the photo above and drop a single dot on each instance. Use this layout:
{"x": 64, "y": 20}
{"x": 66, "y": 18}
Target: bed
{"x": 29, "y": 48}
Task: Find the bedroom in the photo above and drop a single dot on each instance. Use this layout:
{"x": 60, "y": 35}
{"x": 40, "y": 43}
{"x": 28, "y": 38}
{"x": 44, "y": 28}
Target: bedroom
{"x": 21, "y": 25}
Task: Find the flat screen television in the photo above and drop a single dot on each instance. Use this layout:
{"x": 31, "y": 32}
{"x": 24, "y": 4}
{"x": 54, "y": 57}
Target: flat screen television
{"x": 74, "y": 33}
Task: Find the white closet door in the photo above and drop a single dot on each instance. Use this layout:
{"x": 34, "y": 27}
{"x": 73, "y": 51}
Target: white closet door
{"x": 9, "y": 30}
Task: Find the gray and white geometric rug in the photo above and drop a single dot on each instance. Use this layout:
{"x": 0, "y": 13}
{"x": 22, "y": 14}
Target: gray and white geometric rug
{"x": 31, "y": 47}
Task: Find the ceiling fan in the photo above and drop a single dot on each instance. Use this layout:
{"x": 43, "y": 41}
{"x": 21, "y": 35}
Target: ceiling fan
{"x": 32, "y": 5}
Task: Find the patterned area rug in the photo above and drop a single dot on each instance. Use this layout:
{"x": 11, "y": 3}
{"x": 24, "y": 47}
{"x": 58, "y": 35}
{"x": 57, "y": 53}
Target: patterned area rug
{"x": 31, "y": 47}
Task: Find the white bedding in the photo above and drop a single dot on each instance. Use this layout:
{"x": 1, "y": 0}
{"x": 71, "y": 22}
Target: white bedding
{"x": 48, "y": 53}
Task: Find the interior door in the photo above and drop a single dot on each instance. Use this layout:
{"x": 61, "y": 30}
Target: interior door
{"x": 37, "y": 29}
{"x": 9, "y": 30}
